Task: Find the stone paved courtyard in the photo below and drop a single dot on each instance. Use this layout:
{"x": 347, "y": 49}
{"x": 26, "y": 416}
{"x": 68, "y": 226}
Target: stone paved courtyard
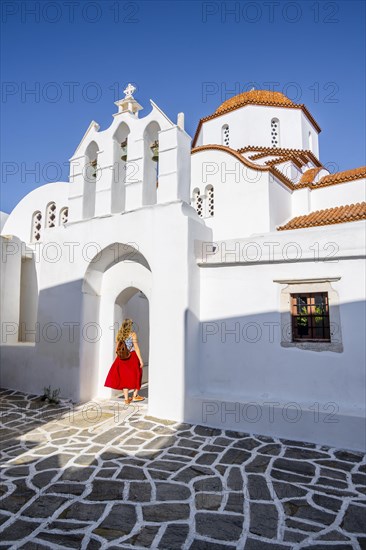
{"x": 101, "y": 475}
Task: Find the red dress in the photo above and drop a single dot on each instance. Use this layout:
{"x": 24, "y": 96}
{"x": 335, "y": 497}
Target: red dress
{"x": 125, "y": 373}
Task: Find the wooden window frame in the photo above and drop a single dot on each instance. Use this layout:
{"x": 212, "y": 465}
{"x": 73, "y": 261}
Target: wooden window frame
{"x": 310, "y": 315}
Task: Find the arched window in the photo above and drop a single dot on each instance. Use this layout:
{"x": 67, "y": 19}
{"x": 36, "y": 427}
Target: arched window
{"x": 225, "y": 135}
{"x": 198, "y": 202}
{"x": 36, "y": 227}
{"x": 50, "y": 215}
{"x": 64, "y": 215}
{"x": 275, "y": 132}
{"x": 209, "y": 201}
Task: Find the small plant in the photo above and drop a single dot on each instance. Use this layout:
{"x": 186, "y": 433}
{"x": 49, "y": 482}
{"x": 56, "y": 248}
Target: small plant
{"x": 51, "y": 396}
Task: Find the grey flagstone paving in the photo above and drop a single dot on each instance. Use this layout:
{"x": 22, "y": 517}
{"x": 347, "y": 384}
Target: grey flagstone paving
{"x": 101, "y": 475}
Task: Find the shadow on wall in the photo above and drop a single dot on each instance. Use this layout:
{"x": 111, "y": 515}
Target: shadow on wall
{"x": 28, "y": 299}
{"x": 53, "y": 357}
{"x": 50, "y": 354}
{"x": 233, "y": 360}
{"x": 242, "y": 372}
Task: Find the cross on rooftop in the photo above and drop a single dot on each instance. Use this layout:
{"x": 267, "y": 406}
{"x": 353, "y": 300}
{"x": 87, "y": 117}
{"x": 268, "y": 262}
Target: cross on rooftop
{"x": 129, "y": 91}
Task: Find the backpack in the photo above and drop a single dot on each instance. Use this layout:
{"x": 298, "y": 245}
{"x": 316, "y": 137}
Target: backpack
{"x": 122, "y": 350}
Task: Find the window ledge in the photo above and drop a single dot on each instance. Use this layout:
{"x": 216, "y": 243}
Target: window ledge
{"x": 18, "y": 344}
{"x": 307, "y": 281}
{"x": 336, "y": 347}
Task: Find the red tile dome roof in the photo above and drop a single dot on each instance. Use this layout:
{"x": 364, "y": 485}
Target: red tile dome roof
{"x": 254, "y": 97}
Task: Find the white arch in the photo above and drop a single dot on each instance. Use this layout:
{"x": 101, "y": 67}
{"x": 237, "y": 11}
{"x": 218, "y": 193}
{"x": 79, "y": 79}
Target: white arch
{"x": 86, "y": 146}
{"x": 121, "y": 132}
{"x": 121, "y": 278}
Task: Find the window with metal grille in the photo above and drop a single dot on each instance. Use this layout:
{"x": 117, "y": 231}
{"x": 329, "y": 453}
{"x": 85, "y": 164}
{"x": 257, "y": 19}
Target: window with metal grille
{"x": 210, "y": 200}
{"x": 310, "y": 317}
{"x": 198, "y": 202}
{"x": 225, "y": 135}
{"x": 64, "y": 215}
{"x": 36, "y": 227}
{"x": 51, "y": 215}
{"x": 275, "y": 132}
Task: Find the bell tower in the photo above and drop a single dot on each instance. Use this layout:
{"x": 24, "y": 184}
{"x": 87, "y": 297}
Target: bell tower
{"x": 128, "y": 104}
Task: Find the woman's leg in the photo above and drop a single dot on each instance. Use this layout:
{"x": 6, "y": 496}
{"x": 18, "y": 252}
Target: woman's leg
{"x": 138, "y": 380}
{"x": 137, "y": 397}
{"x": 125, "y": 393}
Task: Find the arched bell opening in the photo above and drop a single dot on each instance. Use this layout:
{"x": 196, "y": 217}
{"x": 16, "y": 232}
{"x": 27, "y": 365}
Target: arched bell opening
{"x": 151, "y": 163}
{"x": 120, "y": 156}
{"x": 90, "y": 179}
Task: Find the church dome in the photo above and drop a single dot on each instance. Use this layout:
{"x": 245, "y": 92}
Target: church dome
{"x": 254, "y": 97}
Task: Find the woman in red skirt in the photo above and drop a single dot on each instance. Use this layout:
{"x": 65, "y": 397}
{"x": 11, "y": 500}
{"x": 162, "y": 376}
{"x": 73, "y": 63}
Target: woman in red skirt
{"x": 126, "y": 374}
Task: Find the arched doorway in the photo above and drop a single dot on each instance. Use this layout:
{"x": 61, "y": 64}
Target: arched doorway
{"x": 114, "y": 277}
{"x": 132, "y": 303}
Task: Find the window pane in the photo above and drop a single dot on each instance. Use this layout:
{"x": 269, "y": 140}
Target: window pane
{"x": 318, "y": 332}
{"x": 310, "y": 315}
{"x": 302, "y": 326}
{"x": 302, "y": 305}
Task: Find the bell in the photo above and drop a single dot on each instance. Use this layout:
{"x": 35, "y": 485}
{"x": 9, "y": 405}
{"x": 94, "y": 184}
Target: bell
{"x": 124, "y": 150}
{"x": 155, "y": 151}
{"x": 94, "y": 165}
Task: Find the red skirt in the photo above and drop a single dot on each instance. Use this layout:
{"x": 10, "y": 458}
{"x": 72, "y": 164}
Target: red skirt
{"x": 125, "y": 374}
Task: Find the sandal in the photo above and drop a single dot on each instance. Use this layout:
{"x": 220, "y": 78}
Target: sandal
{"x": 128, "y": 401}
{"x": 138, "y": 398}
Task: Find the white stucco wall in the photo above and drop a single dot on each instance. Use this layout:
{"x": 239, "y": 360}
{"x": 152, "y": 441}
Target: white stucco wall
{"x": 338, "y": 195}
{"x": 11, "y": 259}
{"x": 241, "y": 194}
{"x": 3, "y": 217}
{"x": 19, "y": 222}
{"x": 242, "y": 359}
{"x": 280, "y": 202}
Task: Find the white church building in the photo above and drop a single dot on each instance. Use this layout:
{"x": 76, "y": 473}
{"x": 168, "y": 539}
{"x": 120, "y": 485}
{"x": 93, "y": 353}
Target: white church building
{"x": 239, "y": 256}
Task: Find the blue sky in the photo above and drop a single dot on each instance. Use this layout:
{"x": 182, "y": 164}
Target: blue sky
{"x": 77, "y": 57}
